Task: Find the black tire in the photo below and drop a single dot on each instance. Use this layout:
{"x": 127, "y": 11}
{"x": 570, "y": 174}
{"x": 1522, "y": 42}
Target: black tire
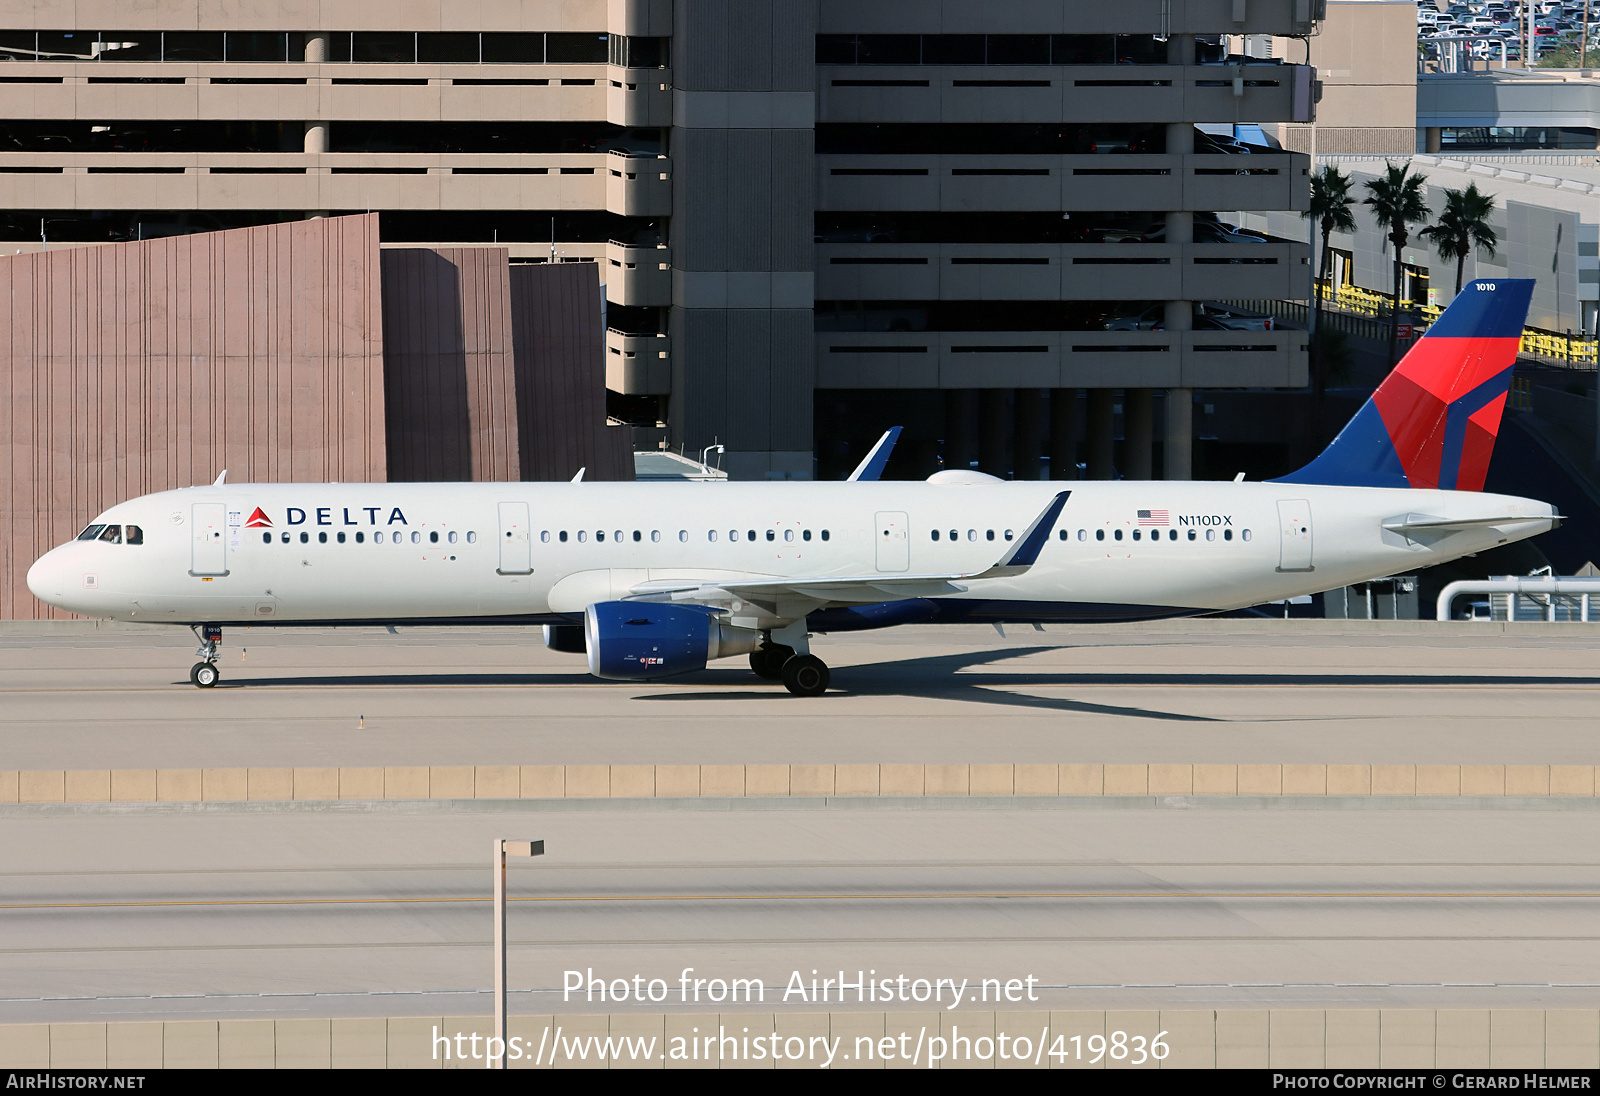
{"x": 204, "y": 675}
{"x": 767, "y": 662}
{"x": 805, "y": 675}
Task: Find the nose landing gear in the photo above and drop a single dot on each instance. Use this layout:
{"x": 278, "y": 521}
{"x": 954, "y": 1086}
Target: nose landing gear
{"x": 204, "y": 674}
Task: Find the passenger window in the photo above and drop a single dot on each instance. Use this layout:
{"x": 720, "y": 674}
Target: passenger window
{"x": 322, "y": 538}
{"x": 1116, "y": 534}
{"x": 1227, "y": 534}
{"x": 452, "y": 536}
{"x": 433, "y": 537}
{"x": 1211, "y": 534}
{"x": 1136, "y": 534}
{"x": 377, "y": 538}
{"x": 955, "y": 534}
{"x": 936, "y": 534}
{"x": 972, "y": 534}
{"x": 544, "y": 537}
{"x": 733, "y": 534}
{"x": 806, "y": 535}
{"x": 1191, "y": 534}
{"x": 341, "y": 538}
{"x": 112, "y": 534}
{"x": 286, "y": 537}
{"x": 771, "y": 536}
{"x": 361, "y": 538}
{"x": 1244, "y": 535}
{"x": 472, "y": 538}
{"x": 1172, "y": 534}
{"x": 599, "y": 535}
{"x": 135, "y": 535}
{"x": 788, "y": 536}
{"x": 711, "y": 535}
{"x": 266, "y": 538}
{"x": 305, "y": 538}
{"x": 824, "y": 534}
{"x": 655, "y": 536}
{"x": 1099, "y": 534}
{"x": 751, "y": 534}
{"x": 637, "y": 536}
{"x": 617, "y": 536}
{"x": 1008, "y": 534}
{"x": 683, "y": 536}
{"x": 561, "y": 536}
{"x": 1083, "y": 534}
{"x": 416, "y": 538}
{"x": 583, "y": 536}
{"x": 1062, "y": 535}
{"x": 990, "y": 533}
{"x": 91, "y": 532}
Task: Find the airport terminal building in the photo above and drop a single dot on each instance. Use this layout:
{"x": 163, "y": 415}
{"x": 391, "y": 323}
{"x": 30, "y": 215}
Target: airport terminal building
{"x": 812, "y": 220}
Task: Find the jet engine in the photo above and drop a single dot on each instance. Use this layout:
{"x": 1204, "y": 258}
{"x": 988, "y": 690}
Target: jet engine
{"x": 640, "y": 640}
{"x": 566, "y": 638}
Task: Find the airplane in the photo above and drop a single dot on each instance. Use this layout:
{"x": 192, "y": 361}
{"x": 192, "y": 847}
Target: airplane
{"x": 649, "y": 580}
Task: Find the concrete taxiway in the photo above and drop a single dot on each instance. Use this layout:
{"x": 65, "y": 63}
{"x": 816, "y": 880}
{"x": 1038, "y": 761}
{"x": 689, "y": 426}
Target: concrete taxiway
{"x": 1205, "y": 691}
{"x": 254, "y": 910}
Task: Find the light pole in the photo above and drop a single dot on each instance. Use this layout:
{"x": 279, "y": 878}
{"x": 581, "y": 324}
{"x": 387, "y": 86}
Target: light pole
{"x": 503, "y": 849}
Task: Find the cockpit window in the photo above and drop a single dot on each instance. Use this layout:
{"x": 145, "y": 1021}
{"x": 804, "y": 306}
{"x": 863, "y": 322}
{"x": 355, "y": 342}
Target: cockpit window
{"x": 91, "y": 533}
{"x": 134, "y": 535}
{"x": 112, "y": 534}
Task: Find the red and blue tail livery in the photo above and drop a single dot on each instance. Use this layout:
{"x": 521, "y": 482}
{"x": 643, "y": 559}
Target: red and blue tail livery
{"x": 1432, "y": 423}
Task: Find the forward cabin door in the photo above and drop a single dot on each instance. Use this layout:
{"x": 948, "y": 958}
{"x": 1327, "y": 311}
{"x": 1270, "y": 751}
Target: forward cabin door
{"x": 208, "y": 551}
{"x": 1294, "y": 535}
{"x": 894, "y": 542}
{"x": 516, "y": 539}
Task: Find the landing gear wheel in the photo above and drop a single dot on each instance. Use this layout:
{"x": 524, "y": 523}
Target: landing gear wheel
{"x": 204, "y": 674}
{"x": 767, "y": 662}
{"x": 805, "y": 675}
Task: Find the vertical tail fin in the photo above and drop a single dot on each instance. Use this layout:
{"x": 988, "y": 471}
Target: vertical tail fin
{"x": 1434, "y": 420}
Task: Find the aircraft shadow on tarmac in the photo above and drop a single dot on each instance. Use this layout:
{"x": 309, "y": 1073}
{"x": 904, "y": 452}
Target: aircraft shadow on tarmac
{"x": 936, "y": 677}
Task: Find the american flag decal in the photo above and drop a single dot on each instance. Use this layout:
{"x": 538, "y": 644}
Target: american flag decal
{"x": 1153, "y": 517}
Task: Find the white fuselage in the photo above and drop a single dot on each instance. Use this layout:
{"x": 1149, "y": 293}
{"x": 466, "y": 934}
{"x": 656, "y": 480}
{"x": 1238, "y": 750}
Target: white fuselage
{"x": 390, "y": 552}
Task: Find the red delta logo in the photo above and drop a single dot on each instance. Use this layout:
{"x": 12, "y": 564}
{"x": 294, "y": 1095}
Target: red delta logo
{"x": 258, "y": 520}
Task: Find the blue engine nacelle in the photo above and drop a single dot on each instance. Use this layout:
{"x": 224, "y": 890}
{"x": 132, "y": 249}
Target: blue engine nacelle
{"x": 641, "y": 640}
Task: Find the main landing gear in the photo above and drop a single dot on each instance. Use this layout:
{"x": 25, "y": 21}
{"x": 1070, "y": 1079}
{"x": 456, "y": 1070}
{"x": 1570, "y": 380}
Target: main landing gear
{"x": 801, "y": 672}
{"x": 204, "y": 674}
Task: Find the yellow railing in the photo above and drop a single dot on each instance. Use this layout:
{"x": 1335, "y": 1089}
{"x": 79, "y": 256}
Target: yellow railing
{"x": 1544, "y": 344}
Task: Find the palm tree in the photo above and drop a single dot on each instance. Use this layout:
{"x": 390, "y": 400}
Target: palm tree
{"x": 1330, "y": 210}
{"x": 1462, "y": 226}
{"x": 1396, "y": 201}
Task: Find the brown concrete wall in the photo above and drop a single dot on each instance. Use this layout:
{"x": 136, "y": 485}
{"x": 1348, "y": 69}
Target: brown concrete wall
{"x": 561, "y": 379}
{"x": 447, "y": 362}
{"x": 141, "y": 367}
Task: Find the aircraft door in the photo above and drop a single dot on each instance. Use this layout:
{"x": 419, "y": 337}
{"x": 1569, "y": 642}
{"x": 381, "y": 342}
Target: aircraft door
{"x": 1294, "y": 535}
{"x": 516, "y": 539}
{"x": 894, "y": 542}
{"x": 209, "y": 551}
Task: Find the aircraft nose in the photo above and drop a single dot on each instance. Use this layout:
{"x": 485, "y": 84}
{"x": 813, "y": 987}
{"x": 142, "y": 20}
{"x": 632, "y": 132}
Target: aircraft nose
{"x": 47, "y": 578}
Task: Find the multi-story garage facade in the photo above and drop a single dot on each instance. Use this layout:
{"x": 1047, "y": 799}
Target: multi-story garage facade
{"x": 813, "y": 218}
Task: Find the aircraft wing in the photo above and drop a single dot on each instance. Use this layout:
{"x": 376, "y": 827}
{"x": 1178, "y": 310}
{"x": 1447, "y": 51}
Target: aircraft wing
{"x": 871, "y": 467}
{"x": 858, "y": 589}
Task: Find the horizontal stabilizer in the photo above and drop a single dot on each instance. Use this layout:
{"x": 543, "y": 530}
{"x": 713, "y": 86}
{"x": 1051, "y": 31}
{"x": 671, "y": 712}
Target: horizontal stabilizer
{"x": 1423, "y": 523}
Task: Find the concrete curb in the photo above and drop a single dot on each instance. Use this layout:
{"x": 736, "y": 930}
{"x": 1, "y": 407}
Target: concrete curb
{"x": 1194, "y": 1038}
{"x": 818, "y": 803}
{"x": 779, "y": 781}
